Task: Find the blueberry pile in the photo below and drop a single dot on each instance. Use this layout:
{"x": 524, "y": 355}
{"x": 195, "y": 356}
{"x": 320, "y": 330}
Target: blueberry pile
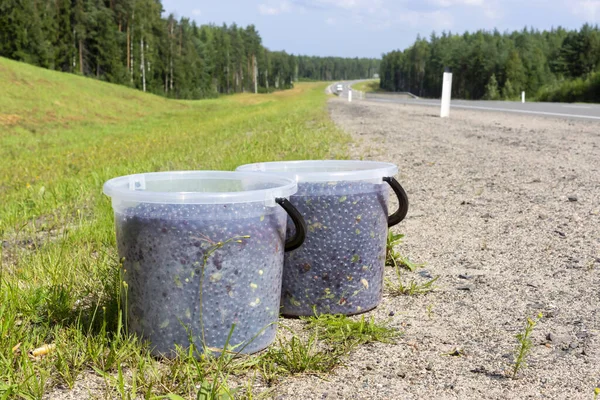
{"x": 194, "y": 270}
{"x": 339, "y": 268}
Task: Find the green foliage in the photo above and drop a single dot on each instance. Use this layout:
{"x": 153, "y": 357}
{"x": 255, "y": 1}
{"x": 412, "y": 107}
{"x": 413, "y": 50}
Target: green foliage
{"x": 526, "y": 60}
{"x": 393, "y": 258}
{"x": 573, "y": 90}
{"x": 508, "y": 91}
{"x": 370, "y": 86}
{"x": 491, "y": 89}
{"x": 336, "y": 68}
{"x": 391, "y": 255}
{"x": 399, "y": 288}
{"x": 524, "y": 347}
{"x": 297, "y": 356}
{"x": 62, "y": 137}
{"x": 514, "y": 72}
{"x": 340, "y": 330}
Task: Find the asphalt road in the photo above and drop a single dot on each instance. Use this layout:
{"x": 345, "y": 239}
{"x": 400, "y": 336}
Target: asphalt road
{"x": 561, "y": 110}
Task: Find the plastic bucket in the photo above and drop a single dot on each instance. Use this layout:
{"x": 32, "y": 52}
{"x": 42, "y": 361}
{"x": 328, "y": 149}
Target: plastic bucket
{"x": 203, "y": 252}
{"x": 339, "y": 269}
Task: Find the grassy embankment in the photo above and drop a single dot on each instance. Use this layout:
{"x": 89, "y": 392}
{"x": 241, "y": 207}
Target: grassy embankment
{"x": 61, "y": 138}
{"x": 370, "y": 86}
{"x": 574, "y": 90}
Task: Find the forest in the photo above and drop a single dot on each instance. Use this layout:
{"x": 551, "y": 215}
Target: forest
{"x": 554, "y": 65}
{"x": 131, "y": 42}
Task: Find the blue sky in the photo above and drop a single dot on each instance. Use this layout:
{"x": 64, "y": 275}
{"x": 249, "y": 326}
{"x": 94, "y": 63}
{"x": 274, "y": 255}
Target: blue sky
{"x": 368, "y": 28}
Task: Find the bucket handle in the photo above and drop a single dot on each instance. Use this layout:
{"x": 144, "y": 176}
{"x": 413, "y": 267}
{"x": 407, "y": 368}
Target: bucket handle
{"x": 402, "y": 210}
{"x": 296, "y": 241}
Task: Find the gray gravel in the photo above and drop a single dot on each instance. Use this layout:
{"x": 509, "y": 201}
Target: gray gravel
{"x": 492, "y": 213}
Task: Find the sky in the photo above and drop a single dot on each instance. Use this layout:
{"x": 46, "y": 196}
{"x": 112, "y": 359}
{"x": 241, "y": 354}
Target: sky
{"x": 368, "y": 28}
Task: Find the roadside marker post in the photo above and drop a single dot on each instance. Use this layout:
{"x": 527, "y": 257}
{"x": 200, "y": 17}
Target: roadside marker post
{"x": 349, "y": 95}
{"x": 446, "y": 92}
{"x": 523, "y": 97}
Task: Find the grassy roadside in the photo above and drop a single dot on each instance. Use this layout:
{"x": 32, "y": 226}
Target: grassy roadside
{"x": 370, "y": 86}
{"x": 61, "y": 137}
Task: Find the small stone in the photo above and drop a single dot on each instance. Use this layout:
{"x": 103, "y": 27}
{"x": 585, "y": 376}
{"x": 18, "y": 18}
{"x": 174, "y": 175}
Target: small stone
{"x": 391, "y": 314}
{"x": 401, "y": 375}
{"x": 572, "y": 198}
{"x": 369, "y": 368}
{"x": 556, "y": 339}
{"x": 573, "y": 345}
{"x": 465, "y": 276}
{"x": 486, "y": 216}
{"x": 464, "y": 287}
{"x": 425, "y": 274}
{"x": 582, "y": 334}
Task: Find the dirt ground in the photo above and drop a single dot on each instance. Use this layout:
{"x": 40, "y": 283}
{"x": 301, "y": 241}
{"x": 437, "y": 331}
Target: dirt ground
{"x": 505, "y": 209}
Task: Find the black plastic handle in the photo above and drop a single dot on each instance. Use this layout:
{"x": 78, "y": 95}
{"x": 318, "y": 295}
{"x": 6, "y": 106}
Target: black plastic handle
{"x": 296, "y": 241}
{"x": 402, "y": 210}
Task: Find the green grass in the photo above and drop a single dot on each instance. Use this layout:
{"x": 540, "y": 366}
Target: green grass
{"x": 347, "y": 332}
{"x": 393, "y": 258}
{"x": 524, "y": 345}
{"x": 369, "y": 86}
{"x": 297, "y": 356}
{"x": 397, "y": 287}
{"x": 61, "y": 138}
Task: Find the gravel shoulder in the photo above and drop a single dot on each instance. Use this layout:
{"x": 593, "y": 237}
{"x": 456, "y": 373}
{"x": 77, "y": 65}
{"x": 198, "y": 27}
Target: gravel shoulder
{"x": 491, "y": 216}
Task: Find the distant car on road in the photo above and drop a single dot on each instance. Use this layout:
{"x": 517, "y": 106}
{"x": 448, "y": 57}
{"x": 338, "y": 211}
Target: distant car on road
{"x": 340, "y": 88}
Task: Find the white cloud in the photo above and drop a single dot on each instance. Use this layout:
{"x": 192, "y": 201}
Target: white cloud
{"x": 196, "y": 12}
{"x": 589, "y": 10}
{"x": 491, "y": 8}
{"x": 351, "y": 4}
{"x": 450, "y": 3}
{"x": 369, "y": 6}
{"x": 275, "y": 8}
{"x": 369, "y": 14}
{"x": 437, "y": 20}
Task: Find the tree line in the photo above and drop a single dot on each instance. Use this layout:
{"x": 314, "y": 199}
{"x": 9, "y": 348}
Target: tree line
{"x": 129, "y": 42}
{"x": 556, "y": 65}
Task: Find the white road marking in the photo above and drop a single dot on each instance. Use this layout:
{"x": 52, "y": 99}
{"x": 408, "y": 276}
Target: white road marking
{"x": 496, "y": 109}
{"x": 570, "y": 106}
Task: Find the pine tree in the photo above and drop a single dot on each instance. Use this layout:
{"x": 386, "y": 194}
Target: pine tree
{"x": 508, "y": 92}
{"x": 491, "y": 89}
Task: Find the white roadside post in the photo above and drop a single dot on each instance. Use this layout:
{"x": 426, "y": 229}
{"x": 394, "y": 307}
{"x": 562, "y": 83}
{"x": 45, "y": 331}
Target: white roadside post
{"x": 349, "y": 95}
{"x": 446, "y": 92}
{"x": 523, "y": 97}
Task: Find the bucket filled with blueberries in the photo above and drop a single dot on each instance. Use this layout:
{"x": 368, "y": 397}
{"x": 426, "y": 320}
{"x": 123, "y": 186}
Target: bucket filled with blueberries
{"x": 202, "y": 256}
{"x": 339, "y": 268}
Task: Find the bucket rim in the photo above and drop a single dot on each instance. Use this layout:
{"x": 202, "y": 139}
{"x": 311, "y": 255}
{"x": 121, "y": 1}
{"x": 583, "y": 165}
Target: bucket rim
{"x": 133, "y": 188}
{"x": 325, "y": 170}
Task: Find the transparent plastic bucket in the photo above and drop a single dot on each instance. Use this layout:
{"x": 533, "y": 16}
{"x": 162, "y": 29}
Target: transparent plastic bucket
{"x": 202, "y": 254}
{"x": 339, "y": 269}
